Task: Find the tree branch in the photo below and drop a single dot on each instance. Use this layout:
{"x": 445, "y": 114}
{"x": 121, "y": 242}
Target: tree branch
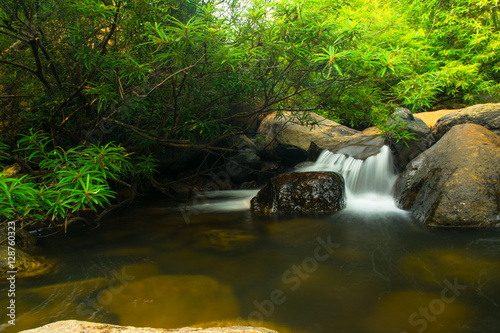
{"x": 112, "y": 30}
{"x": 15, "y": 64}
{"x": 51, "y": 63}
{"x": 10, "y": 34}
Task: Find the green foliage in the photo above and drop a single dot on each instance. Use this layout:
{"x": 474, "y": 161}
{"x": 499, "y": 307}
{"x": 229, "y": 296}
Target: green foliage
{"x": 73, "y": 180}
{"x": 168, "y": 72}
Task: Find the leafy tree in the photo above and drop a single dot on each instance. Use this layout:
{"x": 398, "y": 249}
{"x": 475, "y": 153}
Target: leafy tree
{"x": 158, "y": 74}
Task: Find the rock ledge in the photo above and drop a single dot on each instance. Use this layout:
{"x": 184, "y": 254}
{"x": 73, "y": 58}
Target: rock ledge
{"x": 76, "y": 326}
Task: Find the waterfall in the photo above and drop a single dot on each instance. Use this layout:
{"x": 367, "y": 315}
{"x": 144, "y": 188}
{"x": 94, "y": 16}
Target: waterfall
{"x": 368, "y": 182}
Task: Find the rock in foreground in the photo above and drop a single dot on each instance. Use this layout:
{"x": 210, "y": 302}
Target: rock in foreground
{"x": 301, "y": 192}
{"x": 456, "y": 181}
{"x": 75, "y": 326}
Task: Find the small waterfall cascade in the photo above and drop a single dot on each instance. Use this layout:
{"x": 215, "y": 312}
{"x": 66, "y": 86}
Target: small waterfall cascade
{"x": 369, "y": 182}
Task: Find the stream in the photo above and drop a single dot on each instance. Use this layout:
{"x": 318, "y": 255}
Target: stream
{"x": 370, "y": 268}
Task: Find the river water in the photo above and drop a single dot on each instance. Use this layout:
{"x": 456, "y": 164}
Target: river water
{"x": 369, "y": 268}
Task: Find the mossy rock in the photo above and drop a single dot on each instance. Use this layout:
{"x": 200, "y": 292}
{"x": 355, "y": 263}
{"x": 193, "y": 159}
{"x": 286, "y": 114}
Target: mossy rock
{"x": 26, "y": 265}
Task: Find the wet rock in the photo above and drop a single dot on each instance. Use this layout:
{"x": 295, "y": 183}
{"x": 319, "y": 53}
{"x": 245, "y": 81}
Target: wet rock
{"x": 486, "y": 115}
{"x": 307, "y": 192}
{"x": 26, "y": 265}
{"x": 406, "y": 150}
{"x": 411, "y": 311}
{"x": 456, "y": 181}
{"x": 88, "y": 327}
{"x": 171, "y": 301}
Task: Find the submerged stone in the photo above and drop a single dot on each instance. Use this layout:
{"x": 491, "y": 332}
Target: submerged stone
{"x": 414, "y": 311}
{"x": 170, "y": 301}
{"x": 433, "y": 267}
{"x": 224, "y": 240}
{"x": 301, "y": 192}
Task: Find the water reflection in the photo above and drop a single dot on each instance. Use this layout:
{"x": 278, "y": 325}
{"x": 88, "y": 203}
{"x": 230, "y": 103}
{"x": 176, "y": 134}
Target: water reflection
{"x": 148, "y": 267}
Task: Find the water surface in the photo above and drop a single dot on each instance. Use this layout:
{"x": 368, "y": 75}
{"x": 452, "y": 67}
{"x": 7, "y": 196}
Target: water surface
{"x": 156, "y": 264}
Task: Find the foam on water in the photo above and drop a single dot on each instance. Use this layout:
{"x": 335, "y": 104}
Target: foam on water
{"x": 369, "y": 183}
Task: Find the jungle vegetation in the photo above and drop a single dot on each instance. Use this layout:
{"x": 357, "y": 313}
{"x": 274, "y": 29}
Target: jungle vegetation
{"x": 93, "y": 91}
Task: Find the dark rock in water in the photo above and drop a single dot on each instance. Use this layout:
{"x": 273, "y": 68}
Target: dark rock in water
{"x": 456, "y": 181}
{"x": 307, "y": 192}
{"x": 486, "y": 115}
{"x": 406, "y": 150}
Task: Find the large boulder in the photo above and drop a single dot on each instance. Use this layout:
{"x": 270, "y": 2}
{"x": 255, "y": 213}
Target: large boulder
{"x": 406, "y": 150}
{"x": 300, "y": 131}
{"x": 76, "y": 326}
{"x": 456, "y": 181}
{"x": 486, "y": 115}
{"x": 288, "y": 136}
{"x": 301, "y": 192}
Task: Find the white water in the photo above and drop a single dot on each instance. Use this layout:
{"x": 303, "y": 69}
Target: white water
{"x": 369, "y": 183}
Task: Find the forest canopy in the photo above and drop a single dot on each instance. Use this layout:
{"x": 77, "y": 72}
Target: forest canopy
{"x": 146, "y": 75}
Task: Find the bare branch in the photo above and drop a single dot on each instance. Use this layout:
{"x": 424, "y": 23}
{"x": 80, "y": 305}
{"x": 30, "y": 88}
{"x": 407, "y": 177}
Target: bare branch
{"x": 10, "y": 34}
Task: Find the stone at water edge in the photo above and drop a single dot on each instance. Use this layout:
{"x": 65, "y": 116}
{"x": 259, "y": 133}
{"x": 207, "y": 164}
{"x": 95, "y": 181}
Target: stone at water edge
{"x": 75, "y": 326}
{"x": 456, "y": 181}
{"x": 301, "y": 192}
{"x": 406, "y": 150}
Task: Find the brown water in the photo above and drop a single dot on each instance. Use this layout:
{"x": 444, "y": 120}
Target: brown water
{"x": 357, "y": 272}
